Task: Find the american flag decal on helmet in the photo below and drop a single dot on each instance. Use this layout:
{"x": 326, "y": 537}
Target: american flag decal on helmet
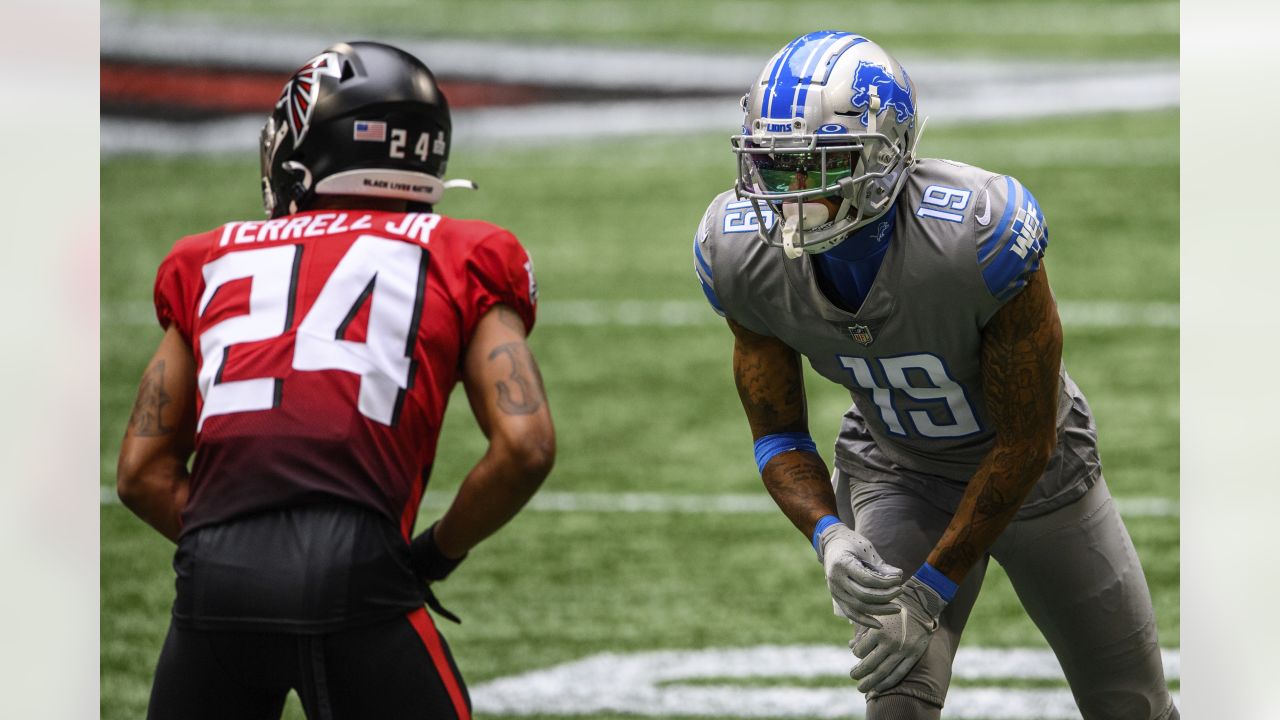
{"x": 299, "y": 95}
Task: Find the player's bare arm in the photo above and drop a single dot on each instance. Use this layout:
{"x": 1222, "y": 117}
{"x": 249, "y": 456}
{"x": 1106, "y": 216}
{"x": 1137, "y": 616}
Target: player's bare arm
{"x": 507, "y": 397}
{"x": 151, "y": 477}
{"x": 771, "y": 386}
{"x": 1021, "y": 354}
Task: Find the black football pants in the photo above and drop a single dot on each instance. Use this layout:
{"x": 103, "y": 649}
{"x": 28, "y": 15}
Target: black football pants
{"x": 396, "y": 669}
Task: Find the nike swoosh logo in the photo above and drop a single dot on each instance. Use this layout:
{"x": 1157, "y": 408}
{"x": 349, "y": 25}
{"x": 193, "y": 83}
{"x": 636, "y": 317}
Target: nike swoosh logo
{"x": 985, "y": 218}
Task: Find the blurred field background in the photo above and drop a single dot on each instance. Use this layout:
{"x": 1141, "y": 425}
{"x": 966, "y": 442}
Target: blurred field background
{"x": 1082, "y": 29}
{"x": 645, "y": 404}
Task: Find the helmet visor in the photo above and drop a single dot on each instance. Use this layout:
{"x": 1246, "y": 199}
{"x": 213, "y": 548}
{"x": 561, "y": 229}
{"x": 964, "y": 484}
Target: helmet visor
{"x": 790, "y": 171}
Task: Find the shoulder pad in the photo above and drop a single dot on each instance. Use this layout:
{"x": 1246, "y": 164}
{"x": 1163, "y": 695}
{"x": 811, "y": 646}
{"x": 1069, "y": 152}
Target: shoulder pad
{"x": 701, "y": 252}
{"x": 1011, "y": 234}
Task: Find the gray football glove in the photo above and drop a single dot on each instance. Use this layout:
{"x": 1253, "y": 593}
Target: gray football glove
{"x": 889, "y": 652}
{"x": 861, "y": 583}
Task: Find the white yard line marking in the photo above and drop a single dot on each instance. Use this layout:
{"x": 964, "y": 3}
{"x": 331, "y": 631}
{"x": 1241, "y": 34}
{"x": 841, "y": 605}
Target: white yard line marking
{"x": 639, "y": 502}
{"x": 687, "y": 313}
{"x": 722, "y": 503}
{"x": 649, "y": 683}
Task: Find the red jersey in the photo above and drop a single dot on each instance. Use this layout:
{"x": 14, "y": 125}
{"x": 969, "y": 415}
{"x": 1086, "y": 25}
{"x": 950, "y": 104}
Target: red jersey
{"x": 326, "y": 346}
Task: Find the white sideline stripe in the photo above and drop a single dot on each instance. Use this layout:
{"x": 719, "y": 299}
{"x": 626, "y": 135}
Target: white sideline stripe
{"x": 649, "y": 683}
{"x": 557, "y": 123}
{"x": 958, "y": 90}
{"x": 687, "y": 313}
{"x": 724, "y": 503}
{"x": 198, "y": 39}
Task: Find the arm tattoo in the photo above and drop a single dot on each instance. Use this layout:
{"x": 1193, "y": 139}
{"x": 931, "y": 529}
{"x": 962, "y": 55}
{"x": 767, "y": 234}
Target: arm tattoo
{"x": 799, "y": 484}
{"x": 771, "y": 386}
{"x": 1021, "y": 353}
{"x": 523, "y": 396}
{"x": 147, "y": 419}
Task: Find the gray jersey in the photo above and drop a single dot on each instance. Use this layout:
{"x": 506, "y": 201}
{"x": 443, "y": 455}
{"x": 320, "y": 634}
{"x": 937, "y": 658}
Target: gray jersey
{"x": 965, "y": 242}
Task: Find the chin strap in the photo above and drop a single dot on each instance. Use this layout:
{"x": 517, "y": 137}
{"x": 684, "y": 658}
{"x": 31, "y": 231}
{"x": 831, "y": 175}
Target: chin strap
{"x": 301, "y": 188}
{"x": 788, "y": 243}
{"x": 460, "y": 183}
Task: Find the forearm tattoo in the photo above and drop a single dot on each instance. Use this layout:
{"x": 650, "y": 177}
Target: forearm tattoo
{"x": 523, "y": 394}
{"x": 1021, "y": 353}
{"x": 771, "y": 386}
{"x": 799, "y": 484}
{"x": 147, "y": 418}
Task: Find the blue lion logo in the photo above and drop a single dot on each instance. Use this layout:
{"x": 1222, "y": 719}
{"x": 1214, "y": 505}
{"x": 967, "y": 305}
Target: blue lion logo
{"x": 891, "y": 94}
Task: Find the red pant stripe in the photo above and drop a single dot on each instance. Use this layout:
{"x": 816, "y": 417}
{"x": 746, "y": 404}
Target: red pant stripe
{"x": 421, "y": 622}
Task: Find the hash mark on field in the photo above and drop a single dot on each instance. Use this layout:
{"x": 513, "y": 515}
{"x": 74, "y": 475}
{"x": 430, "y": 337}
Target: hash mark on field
{"x": 696, "y": 313}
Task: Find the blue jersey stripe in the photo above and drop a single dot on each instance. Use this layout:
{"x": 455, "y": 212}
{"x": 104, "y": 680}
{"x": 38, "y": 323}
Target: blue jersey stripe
{"x": 994, "y": 242}
{"x": 702, "y": 269}
{"x": 711, "y": 295}
{"x": 787, "y": 87}
{"x": 1018, "y": 256}
{"x": 697, "y": 253}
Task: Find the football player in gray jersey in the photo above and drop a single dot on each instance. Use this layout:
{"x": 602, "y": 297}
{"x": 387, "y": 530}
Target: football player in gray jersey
{"x": 918, "y": 285}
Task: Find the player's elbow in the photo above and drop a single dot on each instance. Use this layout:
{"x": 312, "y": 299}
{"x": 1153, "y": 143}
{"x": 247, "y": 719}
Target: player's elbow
{"x": 1023, "y": 457}
{"x": 1037, "y": 453}
{"x": 530, "y": 455}
{"x": 535, "y": 458}
{"x": 131, "y": 485}
{"x": 143, "y": 476}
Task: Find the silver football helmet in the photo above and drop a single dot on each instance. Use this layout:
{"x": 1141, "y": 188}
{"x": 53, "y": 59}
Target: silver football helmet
{"x": 831, "y": 116}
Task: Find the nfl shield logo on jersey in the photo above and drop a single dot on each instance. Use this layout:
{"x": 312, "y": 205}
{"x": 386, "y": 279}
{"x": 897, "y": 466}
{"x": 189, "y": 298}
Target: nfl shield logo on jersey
{"x": 861, "y": 333}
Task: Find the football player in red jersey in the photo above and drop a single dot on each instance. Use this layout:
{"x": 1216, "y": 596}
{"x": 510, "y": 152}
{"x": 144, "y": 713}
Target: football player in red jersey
{"x": 306, "y": 362}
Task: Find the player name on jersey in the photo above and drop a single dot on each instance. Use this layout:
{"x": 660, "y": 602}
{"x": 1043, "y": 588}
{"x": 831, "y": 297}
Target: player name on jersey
{"x": 414, "y": 226}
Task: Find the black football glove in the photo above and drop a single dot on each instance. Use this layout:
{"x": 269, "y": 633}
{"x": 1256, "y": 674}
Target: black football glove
{"x": 431, "y": 565}
{"x": 428, "y": 562}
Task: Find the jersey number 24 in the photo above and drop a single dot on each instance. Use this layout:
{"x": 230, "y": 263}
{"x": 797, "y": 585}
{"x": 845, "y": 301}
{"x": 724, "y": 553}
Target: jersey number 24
{"x": 386, "y": 273}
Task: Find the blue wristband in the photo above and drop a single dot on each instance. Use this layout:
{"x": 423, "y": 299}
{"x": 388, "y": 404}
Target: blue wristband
{"x": 770, "y": 445}
{"x": 941, "y": 584}
{"x": 824, "y": 522}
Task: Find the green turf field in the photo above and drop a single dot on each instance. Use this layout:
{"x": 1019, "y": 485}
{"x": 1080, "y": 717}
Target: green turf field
{"x": 646, "y": 408}
{"x": 1084, "y": 29}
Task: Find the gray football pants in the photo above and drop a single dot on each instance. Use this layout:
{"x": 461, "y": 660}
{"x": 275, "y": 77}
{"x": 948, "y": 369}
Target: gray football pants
{"x": 1078, "y": 577}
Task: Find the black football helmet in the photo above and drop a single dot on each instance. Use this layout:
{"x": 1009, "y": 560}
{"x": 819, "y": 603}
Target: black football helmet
{"x": 360, "y": 118}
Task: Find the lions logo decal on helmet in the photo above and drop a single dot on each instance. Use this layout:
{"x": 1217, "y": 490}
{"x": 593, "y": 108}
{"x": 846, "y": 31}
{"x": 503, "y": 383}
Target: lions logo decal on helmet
{"x": 872, "y": 80}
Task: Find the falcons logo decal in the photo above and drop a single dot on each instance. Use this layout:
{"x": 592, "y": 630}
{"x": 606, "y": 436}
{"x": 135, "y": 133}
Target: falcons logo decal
{"x": 299, "y": 96}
